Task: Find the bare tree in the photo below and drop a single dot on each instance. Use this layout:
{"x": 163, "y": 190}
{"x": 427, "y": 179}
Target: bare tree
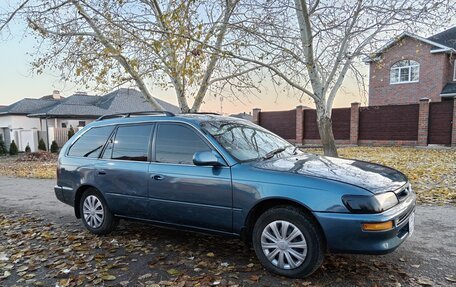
{"x": 111, "y": 43}
{"x": 5, "y": 18}
{"x": 321, "y": 41}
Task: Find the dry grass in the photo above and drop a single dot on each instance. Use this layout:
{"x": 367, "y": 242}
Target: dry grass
{"x": 25, "y": 166}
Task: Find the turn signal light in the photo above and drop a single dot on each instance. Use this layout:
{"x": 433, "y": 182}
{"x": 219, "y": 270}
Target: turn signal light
{"x": 378, "y": 226}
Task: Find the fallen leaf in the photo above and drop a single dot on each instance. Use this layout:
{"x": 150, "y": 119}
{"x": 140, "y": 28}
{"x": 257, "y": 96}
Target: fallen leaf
{"x": 210, "y": 254}
{"x": 108, "y": 277}
{"x": 6, "y": 274}
{"x": 255, "y": 278}
{"x": 173, "y": 272}
{"x": 145, "y": 276}
{"x": 3, "y": 257}
{"x": 425, "y": 282}
{"x": 451, "y": 278}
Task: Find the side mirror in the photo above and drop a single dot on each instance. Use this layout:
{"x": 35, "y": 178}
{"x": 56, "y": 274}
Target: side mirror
{"x": 207, "y": 158}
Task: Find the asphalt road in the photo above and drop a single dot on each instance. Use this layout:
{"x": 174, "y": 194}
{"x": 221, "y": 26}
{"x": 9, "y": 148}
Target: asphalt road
{"x": 429, "y": 253}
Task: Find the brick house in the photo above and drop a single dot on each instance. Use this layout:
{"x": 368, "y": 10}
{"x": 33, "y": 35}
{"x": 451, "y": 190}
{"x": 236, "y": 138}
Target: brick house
{"x": 410, "y": 67}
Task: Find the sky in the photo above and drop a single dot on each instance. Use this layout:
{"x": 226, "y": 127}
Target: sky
{"x": 17, "y": 82}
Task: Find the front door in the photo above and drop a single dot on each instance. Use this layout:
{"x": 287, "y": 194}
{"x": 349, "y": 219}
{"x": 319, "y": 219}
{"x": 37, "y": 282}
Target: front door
{"x": 182, "y": 193}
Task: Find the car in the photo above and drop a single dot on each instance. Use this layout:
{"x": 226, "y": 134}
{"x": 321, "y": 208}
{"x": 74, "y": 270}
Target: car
{"x": 221, "y": 175}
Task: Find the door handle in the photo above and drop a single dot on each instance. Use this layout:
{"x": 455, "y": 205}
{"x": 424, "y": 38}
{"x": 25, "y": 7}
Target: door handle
{"x": 101, "y": 172}
{"x": 158, "y": 177}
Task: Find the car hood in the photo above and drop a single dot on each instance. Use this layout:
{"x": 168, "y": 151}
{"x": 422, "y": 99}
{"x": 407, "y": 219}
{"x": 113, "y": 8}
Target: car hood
{"x": 372, "y": 177}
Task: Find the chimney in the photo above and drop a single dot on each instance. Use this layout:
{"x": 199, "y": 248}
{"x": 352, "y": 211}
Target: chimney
{"x": 56, "y": 95}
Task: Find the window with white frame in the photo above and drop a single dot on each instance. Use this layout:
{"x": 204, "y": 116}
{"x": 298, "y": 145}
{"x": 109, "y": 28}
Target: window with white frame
{"x": 405, "y": 71}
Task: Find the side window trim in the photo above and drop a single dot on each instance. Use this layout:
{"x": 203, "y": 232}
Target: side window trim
{"x": 193, "y": 129}
{"x": 108, "y": 142}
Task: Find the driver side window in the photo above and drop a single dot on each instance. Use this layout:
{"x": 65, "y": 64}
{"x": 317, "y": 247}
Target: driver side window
{"x": 176, "y": 144}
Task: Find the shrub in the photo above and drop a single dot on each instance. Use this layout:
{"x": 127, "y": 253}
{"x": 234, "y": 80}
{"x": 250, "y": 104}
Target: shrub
{"x": 13, "y": 149}
{"x": 70, "y": 132}
{"x": 28, "y": 149}
{"x": 41, "y": 145}
{"x": 54, "y": 147}
{"x": 3, "y": 149}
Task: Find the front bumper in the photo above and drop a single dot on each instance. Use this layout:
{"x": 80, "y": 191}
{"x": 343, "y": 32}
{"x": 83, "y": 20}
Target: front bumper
{"x": 344, "y": 234}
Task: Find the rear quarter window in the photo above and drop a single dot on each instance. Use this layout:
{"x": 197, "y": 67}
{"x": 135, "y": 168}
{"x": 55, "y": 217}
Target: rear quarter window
{"x": 91, "y": 143}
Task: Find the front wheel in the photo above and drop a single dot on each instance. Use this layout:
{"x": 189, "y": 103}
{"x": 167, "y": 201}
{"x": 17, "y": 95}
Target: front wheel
{"x": 288, "y": 242}
{"x": 95, "y": 213}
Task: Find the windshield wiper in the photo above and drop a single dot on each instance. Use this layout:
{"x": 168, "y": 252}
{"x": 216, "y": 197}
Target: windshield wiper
{"x": 274, "y": 152}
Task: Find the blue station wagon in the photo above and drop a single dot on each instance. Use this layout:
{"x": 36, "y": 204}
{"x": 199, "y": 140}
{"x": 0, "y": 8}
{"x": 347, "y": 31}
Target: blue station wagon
{"x": 223, "y": 175}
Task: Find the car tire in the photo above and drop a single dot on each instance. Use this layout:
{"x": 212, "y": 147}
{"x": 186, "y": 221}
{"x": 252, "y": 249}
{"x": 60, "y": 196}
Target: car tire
{"x": 299, "y": 252}
{"x": 95, "y": 213}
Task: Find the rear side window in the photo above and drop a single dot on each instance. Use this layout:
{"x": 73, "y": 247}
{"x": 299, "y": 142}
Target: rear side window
{"x": 132, "y": 143}
{"x": 91, "y": 143}
{"x": 177, "y": 144}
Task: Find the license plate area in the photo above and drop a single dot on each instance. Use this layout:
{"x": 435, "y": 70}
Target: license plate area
{"x": 411, "y": 223}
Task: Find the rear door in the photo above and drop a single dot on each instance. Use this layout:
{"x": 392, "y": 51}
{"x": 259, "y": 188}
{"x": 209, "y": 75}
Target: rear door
{"x": 122, "y": 171}
{"x": 182, "y": 193}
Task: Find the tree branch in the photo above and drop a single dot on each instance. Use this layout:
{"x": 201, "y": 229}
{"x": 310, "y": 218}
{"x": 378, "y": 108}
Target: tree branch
{"x": 118, "y": 56}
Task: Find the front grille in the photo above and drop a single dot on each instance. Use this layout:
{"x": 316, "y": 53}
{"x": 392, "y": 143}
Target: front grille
{"x": 404, "y": 216}
{"x": 403, "y": 192}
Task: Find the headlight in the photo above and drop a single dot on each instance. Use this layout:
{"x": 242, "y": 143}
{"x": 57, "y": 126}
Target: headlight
{"x": 370, "y": 204}
{"x": 387, "y": 200}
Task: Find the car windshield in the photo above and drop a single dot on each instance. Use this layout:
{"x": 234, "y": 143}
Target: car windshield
{"x": 246, "y": 141}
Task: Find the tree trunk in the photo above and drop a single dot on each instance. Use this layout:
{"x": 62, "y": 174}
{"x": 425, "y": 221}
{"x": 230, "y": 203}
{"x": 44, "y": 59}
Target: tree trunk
{"x": 326, "y": 133}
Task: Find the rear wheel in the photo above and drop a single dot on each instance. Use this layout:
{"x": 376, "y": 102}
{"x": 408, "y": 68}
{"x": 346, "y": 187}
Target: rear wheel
{"x": 95, "y": 213}
{"x": 288, "y": 242}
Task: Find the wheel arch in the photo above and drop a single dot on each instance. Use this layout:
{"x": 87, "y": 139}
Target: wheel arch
{"x": 268, "y": 203}
{"x": 78, "y": 195}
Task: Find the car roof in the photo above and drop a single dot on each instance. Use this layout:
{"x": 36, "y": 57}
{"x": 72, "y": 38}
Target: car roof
{"x": 195, "y": 119}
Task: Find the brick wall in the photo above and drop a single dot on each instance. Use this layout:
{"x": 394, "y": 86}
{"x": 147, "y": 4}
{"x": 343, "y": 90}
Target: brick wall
{"x": 434, "y": 74}
{"x": 414, "y": 124}
{"x": 440, "y": 122}
{"x": 389, "y": 123}
{"x": 282, "y": 123}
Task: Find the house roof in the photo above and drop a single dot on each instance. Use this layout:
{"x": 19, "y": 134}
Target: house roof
{"x": 120, "y": 101}
{"x": 446, "y": 38}
{"x": 449, "y": 90}
{"x": 130, "y": 100}
{"x": 26, "y": 106}
{"x": 443, "y": 42}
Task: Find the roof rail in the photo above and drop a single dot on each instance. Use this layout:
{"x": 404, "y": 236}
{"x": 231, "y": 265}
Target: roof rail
{"x": 201, "y": 113}
{"x": 127, "y": 115}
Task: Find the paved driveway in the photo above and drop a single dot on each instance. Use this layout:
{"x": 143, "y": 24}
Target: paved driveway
{"x": 429, "y": 253}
